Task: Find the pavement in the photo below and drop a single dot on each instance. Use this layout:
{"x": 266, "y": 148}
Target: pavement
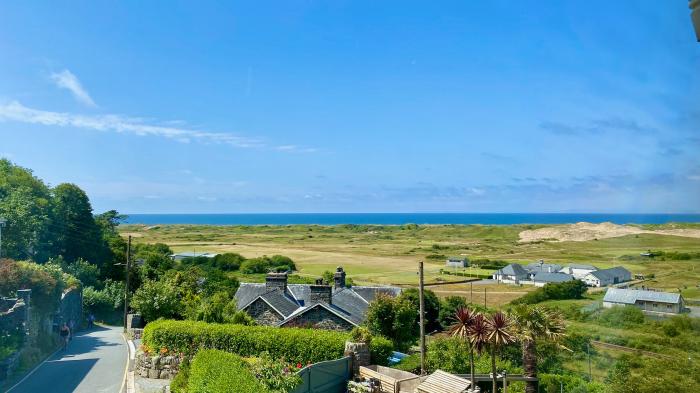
{"x": 94, "y": 362}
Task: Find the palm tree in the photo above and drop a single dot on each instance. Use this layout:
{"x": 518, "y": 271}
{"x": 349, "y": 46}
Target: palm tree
{"x": 463, "y": 328}
{"x": 499, "y": 334}
{"x": 478, "y": 338}
{"x": 533, "y": 323}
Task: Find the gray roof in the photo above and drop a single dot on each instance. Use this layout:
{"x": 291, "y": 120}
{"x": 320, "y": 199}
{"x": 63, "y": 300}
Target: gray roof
{"x": 607, "y": 274}
{"x": 630, "y": 296}
{"x": 348, "y": 303}
{"x": 552, "y": 277}
{"x": 513, "y": 270}
{"x": 582, "y": 267}
{"x": 536, "y": 267}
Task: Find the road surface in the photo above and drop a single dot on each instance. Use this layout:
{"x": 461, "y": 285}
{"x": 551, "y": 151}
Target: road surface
{"x": 94, "y": 362}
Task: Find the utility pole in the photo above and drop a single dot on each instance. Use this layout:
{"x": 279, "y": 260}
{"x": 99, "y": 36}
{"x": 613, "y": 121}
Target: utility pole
{"x": 2, "y": 224}
{"x": 484, "y": 296}
{"x": 471, "y": 292}
{"x": 126, "y": 291}
{"x": 422, "y": 318}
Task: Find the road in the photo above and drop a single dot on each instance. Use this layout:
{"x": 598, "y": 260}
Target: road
{"x": 94, "y": 362}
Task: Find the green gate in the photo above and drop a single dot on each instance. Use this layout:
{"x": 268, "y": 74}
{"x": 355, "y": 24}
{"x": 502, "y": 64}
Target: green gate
{"x": 325, "y": 377}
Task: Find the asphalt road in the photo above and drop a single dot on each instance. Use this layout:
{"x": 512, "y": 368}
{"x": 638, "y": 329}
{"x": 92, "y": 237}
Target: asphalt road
{"x": 94, "y": 362}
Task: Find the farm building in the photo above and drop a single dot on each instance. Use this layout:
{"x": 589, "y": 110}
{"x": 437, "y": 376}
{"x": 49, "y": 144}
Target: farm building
{"x": 511, "y": 274}
{"x": 321, "y": 306}
{"x": 648, "y": 301}
{"x": 604, "y": 277}
{"x": 578, "y": 271}
{"x": 542, "y": 278}
{"x": 457, "y": 262}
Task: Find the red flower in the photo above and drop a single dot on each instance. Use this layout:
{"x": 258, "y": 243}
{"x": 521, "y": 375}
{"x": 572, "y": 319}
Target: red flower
{"x": 298, "y": 365}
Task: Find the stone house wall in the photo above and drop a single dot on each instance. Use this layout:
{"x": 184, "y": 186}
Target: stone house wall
{"x": 263, "y": 314}
{"x": 320, "y": 318}
{"x": 156, "y": 366}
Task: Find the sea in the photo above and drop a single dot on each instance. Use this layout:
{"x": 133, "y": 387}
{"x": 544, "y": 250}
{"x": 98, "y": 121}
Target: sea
{"x": 405, "y": 218}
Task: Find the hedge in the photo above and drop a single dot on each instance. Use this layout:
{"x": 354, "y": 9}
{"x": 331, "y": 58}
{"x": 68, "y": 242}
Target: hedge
{"x": 213, "y": 371}
{"x": 292, "y": 344}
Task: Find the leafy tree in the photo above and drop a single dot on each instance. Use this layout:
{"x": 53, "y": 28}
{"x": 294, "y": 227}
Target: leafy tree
{"x": 448, "y": 309}
{"x": 393, "y": 318}
{"x": 87, "y": 273}
{"x": 229, "y": 261}
{"x": 157, "y": 299}
{"x": 533, "y": 324}
{"x": 432, "y": 307}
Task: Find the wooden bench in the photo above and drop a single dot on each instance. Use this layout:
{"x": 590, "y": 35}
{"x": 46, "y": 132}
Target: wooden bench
{"x": 442, "y": 382}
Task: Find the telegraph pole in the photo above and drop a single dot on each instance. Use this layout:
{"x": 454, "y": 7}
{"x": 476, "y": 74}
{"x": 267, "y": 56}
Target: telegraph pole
{"x": 590, "y": 374}
{"x": 422, "y": 318}
{"x": 2, "y": 224}
{"x": 126, "y": 291}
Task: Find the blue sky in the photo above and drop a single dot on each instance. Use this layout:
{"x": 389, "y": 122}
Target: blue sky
{"x": 356, "y": 106}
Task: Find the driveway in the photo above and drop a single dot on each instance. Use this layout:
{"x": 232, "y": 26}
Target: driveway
{"x": 94, "y": 362}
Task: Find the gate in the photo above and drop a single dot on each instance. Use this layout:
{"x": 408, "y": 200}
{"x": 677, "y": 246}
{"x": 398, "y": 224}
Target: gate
{"x": 325, "y": 377}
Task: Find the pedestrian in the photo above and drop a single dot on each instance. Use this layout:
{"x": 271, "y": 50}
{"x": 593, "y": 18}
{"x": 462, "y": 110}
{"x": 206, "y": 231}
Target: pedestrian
{"x": 65, "y": 335}
{"x": 71, "y": 326}
{"x": 91, "y": 321}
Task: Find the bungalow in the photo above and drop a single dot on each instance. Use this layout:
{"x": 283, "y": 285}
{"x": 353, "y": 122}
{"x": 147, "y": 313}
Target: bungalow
{"x": 578, "y": 271}
{"x": 542, "y": 278}
{"x": 605, "y": 277}
{"x": 650, "y": 302}
{"x": 457, "y": 262}
{"x": 511, "y": 274}
{"x": 321, "y": 306}
{"x": 540, "y": 266}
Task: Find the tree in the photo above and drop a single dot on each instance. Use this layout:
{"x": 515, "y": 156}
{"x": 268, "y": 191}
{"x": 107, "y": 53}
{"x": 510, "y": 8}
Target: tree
{"x": 157, "y": 299}
{"x": 431, "y": 303}
{"x": 229, "y": 261}
{"x": 533, "y": 324}
{"x": 448, "y": 309}
{"x": 394, "y": 319}
{"x": 499, "y": 334}
{"x": 463, "y": 328}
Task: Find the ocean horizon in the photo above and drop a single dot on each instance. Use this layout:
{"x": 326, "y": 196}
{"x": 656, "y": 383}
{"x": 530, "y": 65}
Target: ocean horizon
{"x": 406, "y": 218}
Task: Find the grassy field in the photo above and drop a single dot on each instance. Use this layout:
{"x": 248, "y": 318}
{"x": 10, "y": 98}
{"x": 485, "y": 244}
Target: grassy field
{"x": 374, "y": 254}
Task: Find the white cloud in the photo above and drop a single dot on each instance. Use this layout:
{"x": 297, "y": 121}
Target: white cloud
{"x": 15, "y": 111}
{"x": 694, "y": 177}
{"x": 67, "y": 80}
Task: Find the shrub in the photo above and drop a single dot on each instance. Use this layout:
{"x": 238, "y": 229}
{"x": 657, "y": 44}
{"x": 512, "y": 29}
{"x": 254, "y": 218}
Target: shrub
{"x": 156, "y": 299}
{"x": 622, "y": 317}
{"x": 361, "y": 334}
{"x": 275, "y": 374}
{"x": 214, "y": 371}
{"x": 228, "y": 261}
{"x": 298, "y": 345}
{"x": 554, "y": 291}
{"x": 394, "y": 318}
{"x": 380, "y": 349}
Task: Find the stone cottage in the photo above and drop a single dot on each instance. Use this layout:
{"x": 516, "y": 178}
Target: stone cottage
{"x": 321, "y": 306}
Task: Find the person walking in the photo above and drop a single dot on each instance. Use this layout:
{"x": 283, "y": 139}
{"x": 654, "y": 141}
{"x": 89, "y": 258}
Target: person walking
{"x": 65, "y": 335}
{"x": 71, "y": 327}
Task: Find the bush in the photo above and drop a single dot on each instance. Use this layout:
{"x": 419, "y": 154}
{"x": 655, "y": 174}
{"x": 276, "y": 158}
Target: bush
{"x": 214, "y": 371}
{"x": 380, "y": 349}
{"x": 554, "y": 291}
{"x": 228, "y": 261}
{"x": 621, "y": 317}
{"x": 394, "y": 318}
{"x": 297, "y": 345}
{"x": 264, "y": 264}
{"x": 156, "y": 299}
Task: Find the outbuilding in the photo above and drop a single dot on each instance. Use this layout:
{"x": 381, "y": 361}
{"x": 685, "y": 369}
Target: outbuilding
{"x": 650, "y": 302}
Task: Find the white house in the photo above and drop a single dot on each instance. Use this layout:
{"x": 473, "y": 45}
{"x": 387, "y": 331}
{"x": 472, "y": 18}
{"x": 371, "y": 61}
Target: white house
{"x": 541, "y": 267}
{"x": 457, "y": 262}
{"x": 578, "y": 271}
{"x": 511, "y": 274}
{"x": 650, "y": 302}
{"x": 604, "y": 277}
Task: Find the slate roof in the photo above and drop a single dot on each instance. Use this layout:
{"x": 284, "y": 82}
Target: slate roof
{"x": 582, "y": 267}
{"x": 512, "y": 270}
{"x": 552, "y": 277}
{"x": 545, "y": 267}
{"x": 609, "y": 274}
{"x": 630, "y": 296}
{"x": 348, "y": 303}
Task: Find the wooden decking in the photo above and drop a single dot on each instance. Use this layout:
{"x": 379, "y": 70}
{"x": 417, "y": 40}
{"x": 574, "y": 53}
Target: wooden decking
{"x": 442, "y": 382}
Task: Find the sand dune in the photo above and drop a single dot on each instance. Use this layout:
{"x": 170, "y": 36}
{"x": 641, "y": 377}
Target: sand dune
{"x": 584, "y": 231}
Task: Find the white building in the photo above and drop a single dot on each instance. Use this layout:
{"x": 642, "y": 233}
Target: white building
{"x": 605, "y": 277}
{"x": 457, "y": 262}
{"x": 543, "y": 278}
{"x": 578, "y": 271}
{"x": 650, "y": 302}
{"x": 512, "y": 274}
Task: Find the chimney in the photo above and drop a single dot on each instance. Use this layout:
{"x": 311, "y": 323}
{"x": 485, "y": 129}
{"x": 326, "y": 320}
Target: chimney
{"x": 339, "y": 277}
{"x": 320, "y": 293}
{"x": 276, "y": 280}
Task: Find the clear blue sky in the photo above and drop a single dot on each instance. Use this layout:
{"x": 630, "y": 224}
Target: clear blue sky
{"x": 356, "y": 106}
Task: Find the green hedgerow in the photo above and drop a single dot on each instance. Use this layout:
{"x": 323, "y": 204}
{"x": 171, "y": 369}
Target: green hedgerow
{"x": 213, "y": 371}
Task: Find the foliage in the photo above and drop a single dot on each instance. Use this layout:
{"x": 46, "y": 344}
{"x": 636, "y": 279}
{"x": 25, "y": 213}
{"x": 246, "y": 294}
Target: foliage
{"x": 105, "y": 303}
{"x": 448, "y": 308}
{"x": 380, "y": 349}
{"x": 360, "y": 334}
{"x": 87, "y": 273}
{"x": 179, "y": 383}
{"x": 624, "y": 317}
{"x": 296, "y": 345}
{"x": 215, "y": 371}
{"x": 264, "y": 264}
{"x": 394, "y": 318}
{"x": 277, "y": 376}
{"x": 552, "y": 383}
{"x": 574, "y": 289}
{"x": 228, "y": 261}
{"x": 156, "y": 299}
{"x": 432, "y": 307}
{"x": 47, "y": 282}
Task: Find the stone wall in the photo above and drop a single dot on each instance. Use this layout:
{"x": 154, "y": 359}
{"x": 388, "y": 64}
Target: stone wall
{"x": 263, "y": 314}
{"x": 71, "y": 307}
{"x": 156, "y": 366}
{"x": 14, "y": 317}
{"x": 320, "y": 318}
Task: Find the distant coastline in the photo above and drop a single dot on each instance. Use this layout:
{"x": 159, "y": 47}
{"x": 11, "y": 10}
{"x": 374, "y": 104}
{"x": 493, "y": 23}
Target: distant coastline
{"x": 406, "y": 218}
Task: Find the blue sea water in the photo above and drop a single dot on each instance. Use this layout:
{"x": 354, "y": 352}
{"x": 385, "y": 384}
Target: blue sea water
{"x": 406, "y": 218}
